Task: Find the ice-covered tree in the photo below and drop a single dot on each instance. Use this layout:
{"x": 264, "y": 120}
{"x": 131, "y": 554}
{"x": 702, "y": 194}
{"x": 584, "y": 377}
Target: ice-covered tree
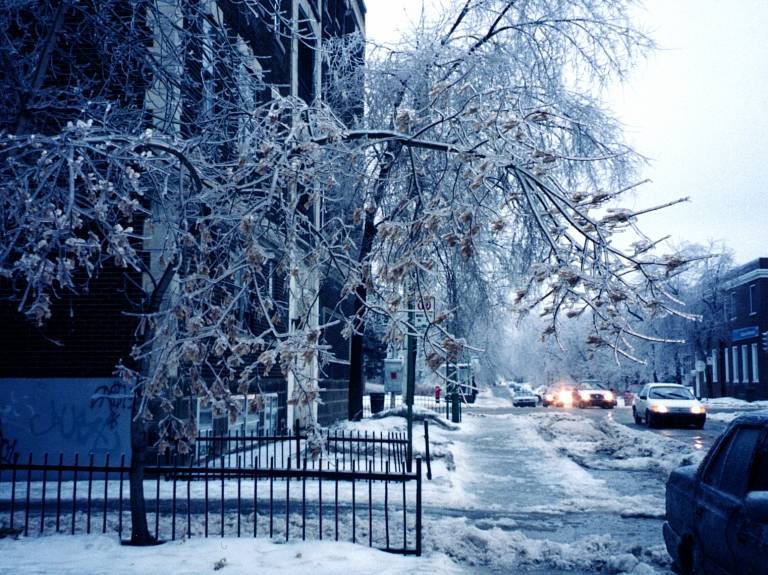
{"x": 487, "y": 143}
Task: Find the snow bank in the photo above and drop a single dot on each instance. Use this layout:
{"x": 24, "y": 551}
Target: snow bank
{"x": 724, "y": 417}
{"x": 609, "y": 445}
{"x": 503, "y": 550}
{"x": 733, "y": 403}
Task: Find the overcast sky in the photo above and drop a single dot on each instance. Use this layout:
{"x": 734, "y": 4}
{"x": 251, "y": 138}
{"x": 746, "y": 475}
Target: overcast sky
{"x": 697, "y": 108}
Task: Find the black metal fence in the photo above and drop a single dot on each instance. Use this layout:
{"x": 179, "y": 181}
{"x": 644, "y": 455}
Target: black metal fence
{"x": 441, "y": 405}
{"x": 425, "y": 401}
{"x": 360, "y": 504}
{"x": 380, "y": 451}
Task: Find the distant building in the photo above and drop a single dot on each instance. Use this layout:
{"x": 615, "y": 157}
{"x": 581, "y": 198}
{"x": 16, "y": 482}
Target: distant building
{"x": 739, "y": 366}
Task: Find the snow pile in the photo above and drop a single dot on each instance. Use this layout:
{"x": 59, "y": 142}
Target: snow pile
{"x": 726, "y": 417}
{"x": 609, "y": 445}
{"x": 733, "y": 403}
{"x": 504, "y": 550}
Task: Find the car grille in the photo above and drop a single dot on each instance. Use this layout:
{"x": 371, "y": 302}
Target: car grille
{"x": 597, "y": 396}
{"x": 679, "y": 410}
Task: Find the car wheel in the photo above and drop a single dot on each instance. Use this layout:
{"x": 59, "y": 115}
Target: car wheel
{"x": 690, "y": 557}
{"x": 580, "y": 405}
{"x": 649, "y": 419}
{"x": 638, "y": 420}
{"x": 699, "y": 425}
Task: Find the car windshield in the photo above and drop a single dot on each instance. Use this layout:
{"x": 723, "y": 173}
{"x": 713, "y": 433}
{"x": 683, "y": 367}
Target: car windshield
{"x": 635, "y": 388}
{"x": 523, "y": 393}
{"x": 592, "y": 385}
{"x": 670, "y": 393}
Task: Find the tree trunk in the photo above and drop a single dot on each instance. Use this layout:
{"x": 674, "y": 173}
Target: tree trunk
{"x": 139, "y": 440}
{"x": 139, "y": 528}
{"x": 356, "y": 381}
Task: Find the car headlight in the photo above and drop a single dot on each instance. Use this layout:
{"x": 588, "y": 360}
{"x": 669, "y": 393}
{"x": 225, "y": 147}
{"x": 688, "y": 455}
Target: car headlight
{"x": 549, "y": 397}
{"x": 698, "y": 409}
{"x": 584, "y": 395}
{"x": 565, "y": 396}
{"x": 608, "y": 396}
{"x": 659, "y": 408}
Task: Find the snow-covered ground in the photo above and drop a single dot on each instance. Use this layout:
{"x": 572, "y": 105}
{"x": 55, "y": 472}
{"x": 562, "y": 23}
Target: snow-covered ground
{"x": 512, "y": 489}
{"x": 97, "y": 554}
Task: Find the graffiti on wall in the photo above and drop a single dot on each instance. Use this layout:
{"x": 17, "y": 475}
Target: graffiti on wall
{"x": 66, "y": 415}
{"x": 116, "y": 398}
{"x": 7, "y": 447}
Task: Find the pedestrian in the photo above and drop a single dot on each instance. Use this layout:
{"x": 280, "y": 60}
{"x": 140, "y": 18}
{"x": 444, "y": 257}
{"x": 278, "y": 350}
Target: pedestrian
{"x": 437, "y": 394}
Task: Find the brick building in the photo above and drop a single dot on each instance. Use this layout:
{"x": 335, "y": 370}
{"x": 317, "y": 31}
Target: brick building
{"x": 739, "y": 366}
{"x": 58, "y": 382}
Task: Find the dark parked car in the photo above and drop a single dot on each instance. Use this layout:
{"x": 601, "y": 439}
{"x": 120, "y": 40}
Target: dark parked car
{"x": 593, "y": 392}
{"x": 717, "y": 514}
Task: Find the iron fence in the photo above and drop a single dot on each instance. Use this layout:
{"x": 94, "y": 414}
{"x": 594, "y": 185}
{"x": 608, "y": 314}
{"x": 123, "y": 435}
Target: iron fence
{"x": 441, "y": 405}
{"x": 262, "y": 499}
{"x": 380, "y": 450}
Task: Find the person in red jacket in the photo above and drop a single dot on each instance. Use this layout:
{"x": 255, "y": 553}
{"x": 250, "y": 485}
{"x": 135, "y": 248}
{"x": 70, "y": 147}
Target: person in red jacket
{"x": 437, "y": 394}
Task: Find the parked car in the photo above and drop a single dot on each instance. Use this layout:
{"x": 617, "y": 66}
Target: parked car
{"x": 524, "y": 398}
{"x": 592, "y": 392}
{"x": 717, "y": 513}
{"x": 561, "y": 396}
{"x": 631, "y": 392}
{"x": 665, "y": 403}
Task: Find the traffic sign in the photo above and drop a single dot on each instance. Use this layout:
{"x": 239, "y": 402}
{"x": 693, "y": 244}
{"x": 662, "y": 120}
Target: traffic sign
{"x": 424, "y": 316}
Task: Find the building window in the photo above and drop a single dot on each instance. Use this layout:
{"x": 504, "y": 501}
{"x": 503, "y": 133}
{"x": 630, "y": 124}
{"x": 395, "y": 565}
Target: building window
{"x": 735, "y": 363}
{"x": 726, "y": 364}
{"x": 752, "y": 299}
{"x": 744, "y": 364}
{"x": 755, "y": 372}
{"x": 306, "y": 60}
{"x": 714, "y": 366}
{"x": 733, "y": 305}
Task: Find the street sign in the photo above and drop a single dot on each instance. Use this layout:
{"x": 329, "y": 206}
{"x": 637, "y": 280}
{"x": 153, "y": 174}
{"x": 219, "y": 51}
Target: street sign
{"x": 424, "y": 316}
{"x": 746, "y": 333}
{"x": 393, "y": 375}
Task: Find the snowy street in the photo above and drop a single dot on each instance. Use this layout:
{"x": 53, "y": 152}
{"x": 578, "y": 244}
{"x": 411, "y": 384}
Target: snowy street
{"x": 514, "y": 490}
{"x": 549, "y": 489}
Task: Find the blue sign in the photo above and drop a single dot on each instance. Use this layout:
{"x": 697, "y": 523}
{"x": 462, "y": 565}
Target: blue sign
{"x": 746, "y": 333}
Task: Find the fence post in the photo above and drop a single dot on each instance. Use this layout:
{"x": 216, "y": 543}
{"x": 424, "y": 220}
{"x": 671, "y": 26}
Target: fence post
{"x": 297, "y": 430}
{"x": 418, "y": 507}
{"x": 426, "y": 444}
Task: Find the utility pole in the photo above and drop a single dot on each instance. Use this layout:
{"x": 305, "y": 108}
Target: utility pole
{"x": 410, "y": 382}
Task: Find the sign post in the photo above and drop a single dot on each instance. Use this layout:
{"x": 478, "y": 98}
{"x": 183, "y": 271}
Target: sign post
{"x": 409, "y": 386}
